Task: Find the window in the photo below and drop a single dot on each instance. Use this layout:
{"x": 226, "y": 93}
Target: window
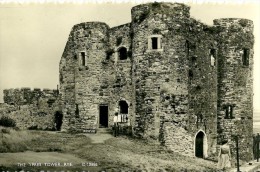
{"x": 83, "y": 58}
{"x": 245, "y": 57}
{"x": 229, "y": 111}
{"x": 122, "y": 53}
{"x": 213, "y": 54}
{"x": 154, "y": 42}
{"x": 77, "y": 111}
{"x": 187, "y": 47}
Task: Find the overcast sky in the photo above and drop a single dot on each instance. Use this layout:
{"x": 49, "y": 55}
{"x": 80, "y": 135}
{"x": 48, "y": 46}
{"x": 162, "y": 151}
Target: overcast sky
{"x": 33, "y": 37}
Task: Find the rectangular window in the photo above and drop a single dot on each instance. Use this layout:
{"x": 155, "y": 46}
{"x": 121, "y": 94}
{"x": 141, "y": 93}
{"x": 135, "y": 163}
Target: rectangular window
{"x": 245, "y": 58}
{"x": 83, "y": 58}
{"x": 154, "y": 43}
{"x": 229, "y": 111}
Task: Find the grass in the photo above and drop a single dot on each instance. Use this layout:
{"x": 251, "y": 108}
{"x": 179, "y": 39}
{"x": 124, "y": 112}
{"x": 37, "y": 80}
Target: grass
{"x": 122, "y": 153}
{"x": 14, "y": 140}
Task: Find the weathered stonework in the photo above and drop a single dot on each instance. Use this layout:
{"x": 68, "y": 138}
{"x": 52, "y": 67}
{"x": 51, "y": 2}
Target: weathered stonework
{"x": 32, "y": 109}
{"x": 169, "y": 76}
{"x": 176, "y": 76}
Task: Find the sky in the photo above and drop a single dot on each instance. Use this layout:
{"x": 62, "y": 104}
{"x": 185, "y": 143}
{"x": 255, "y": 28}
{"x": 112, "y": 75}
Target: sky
{"x": 33, "y": 36}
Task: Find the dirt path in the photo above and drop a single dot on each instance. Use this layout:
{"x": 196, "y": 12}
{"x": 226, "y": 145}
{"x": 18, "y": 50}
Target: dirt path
{"x": 99, "y": 138}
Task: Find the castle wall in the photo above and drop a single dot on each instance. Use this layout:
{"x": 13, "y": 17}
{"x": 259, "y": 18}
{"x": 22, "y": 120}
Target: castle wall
{"x": 235, "y": 83}
{"x": 83, "y": 86}
{"x": 202, "y": 81}
{"x": 120, "y": 39}
{"x": 31, "y": 109}
{"x": 161, "y": 75}
{"x": 176, "y": 75}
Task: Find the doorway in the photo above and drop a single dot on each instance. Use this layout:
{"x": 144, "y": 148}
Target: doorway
{"x": 58, "y": 120}
{"x": 199, "y": 145}
{"x": 103, "y": 116}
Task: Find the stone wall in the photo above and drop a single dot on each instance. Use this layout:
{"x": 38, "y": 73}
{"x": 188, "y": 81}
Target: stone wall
{"x": 175, "y": 74}
{"x": 103, "y": 81}
{"x": 31, "y": 109}
{"x": 81, "y": 87}
{"x": 235, "y": 83}
{"x": 122, "y": 83}
{"x": 161, "y": 72}
{"x": 25, "y": 96}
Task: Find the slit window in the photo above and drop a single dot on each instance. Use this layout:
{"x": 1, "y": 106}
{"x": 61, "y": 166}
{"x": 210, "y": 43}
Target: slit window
{"x": 83, "y": 58}
{"x": 187, "y": 47}
{"x": 77, "y": 111}
{"x": 213, "y": 54}
{"x": 245, "y": 57}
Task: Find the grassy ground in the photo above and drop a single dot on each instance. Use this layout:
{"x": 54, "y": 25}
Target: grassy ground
{"x": 114, "y": 154}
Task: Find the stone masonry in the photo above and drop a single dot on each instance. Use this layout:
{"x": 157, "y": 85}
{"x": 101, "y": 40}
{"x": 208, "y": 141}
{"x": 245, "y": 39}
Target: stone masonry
{"x": 32, "y": 109}
{"x": 168, "y": 76}
{"x": 185, "y": 83}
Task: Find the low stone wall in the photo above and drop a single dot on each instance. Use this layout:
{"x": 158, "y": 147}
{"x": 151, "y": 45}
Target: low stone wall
{"x": 177, "y": 139}
{"x": 31, "y": 109}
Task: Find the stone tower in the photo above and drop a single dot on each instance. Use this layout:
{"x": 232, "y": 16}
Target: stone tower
{"x": 235, "y": 82}
{"x": 168, "y": 76}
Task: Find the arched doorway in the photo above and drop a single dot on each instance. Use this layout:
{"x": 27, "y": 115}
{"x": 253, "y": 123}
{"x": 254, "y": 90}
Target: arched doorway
{"x": 58, "y": 120}
{"x": 123, "y": 111}
{"x": 123, "y": 107}
{"x": 199, "y": 144}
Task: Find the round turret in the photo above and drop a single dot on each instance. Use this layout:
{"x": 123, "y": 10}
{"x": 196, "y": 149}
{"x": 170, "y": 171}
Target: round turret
{"x": 159, "y": 61}
{"x": 80, "y": 71}
{"x": 235, "y": 80}
{"x": 140, "y": 12}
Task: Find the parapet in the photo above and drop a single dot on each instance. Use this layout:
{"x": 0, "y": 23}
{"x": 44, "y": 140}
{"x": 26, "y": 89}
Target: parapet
{"x": 90, "y": 25}
{"x": 228, "y": 23}
{"x": 178, "y": 10}
{"x": 27, "y": 95}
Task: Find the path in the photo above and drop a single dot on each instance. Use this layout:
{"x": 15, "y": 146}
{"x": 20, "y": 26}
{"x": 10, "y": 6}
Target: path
{"x": 101, "y": 136}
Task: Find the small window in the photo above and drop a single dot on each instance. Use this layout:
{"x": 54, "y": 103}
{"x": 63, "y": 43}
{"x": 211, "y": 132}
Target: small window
{"x": 83, "y": 58}
{"x": 229, "y": 111}
{"x": 245, "y": 57}
{"x": 213, "y": 54}
{"x": 77, "y": 111}
{"x": 154, "y": 42}
{"x": 122, "y": 53}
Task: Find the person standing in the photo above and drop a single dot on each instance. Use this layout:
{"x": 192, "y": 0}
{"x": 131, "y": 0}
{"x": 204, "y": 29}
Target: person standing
{"x": 224, "y": 156}
{"x": 115, "y": 121}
